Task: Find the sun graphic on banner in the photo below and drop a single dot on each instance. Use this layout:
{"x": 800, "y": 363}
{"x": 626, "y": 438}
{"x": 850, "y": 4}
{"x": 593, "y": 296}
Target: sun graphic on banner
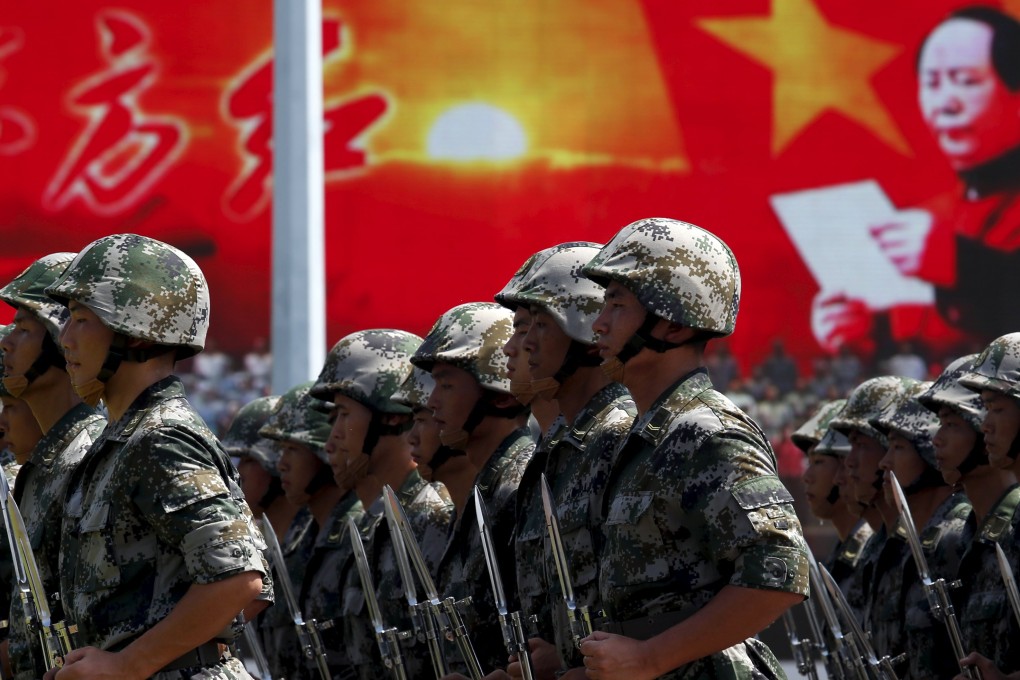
{"x": 476, "y": 132}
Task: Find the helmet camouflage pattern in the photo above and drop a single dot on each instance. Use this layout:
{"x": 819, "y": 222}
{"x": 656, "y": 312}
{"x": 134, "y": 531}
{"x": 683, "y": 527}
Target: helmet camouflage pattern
{"x": 869, "y": 400}
{"x": 471, "y": 337}
{"x": 243, "y": 439}
{"x": 368, "y": 366}
{"x": 907, "y": 418}
{"x": 513, "y": 286}
{"x": 28, "y": 291}
{"x": 813, "y": 431}
{"x": 678, "y": 271}
{"x": 947, "y": 391}
{"x": 833, "y": 443}
{"x": 554, "y": 283}
{"x": 997, "y": 368}
{"x": 141, "y": 288}
{"x": 297, "y": 420}
{"x": 416, "y": 389}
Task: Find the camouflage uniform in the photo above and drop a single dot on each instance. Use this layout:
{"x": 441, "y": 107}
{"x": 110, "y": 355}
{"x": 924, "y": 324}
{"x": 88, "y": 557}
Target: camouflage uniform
{"x": 986, "y": 619}
{"x": 900, "y": 615}
{"x": 693, "y": 502}
{"x": 154, "y": 507}
{"x": 575, "y": 457}
{"x": 471, "y": 337}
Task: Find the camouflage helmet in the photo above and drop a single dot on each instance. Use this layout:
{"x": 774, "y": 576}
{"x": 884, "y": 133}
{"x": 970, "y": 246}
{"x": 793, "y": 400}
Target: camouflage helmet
{"x": 833, "y": 443}
{"x": 416, "y": 389}
{"x": 554, "y": 283}
{"x": 471, "y": 337}
{"x": 243, "y": 439}
{"x": 141, "y": 288}
{"x": 811, "y": 433}
{"x": 997, "y": 368}
{"x": 947, "y": 391}
{"x": 513, "y": 286}
{"x": 906, "y": 417}
{"x": 296, "y": 419}
{"x": 678, "y": 271}
{"x": 869, "y": 400}
{"x": 368, "y": 366}
{"x": 28, "y": 291}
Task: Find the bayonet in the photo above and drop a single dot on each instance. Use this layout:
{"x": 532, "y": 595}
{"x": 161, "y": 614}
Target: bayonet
{"x": 1007, "y": 579}
{"x": 307, "y": 631}
{"x": 937, "y": 590}
{"x": 821, "y": 646}
{"x": 879, "y": 668}
{"x": 423, "y": 620}
{"x": 579, "y": 617}
{"x": 510, "y": 623}
{"x": 801, "y": 648}
{"x": 446, "y": 613}
{"x": 848, "y": 658}
{"x": 385, "y": 638}
{"x": 255, "y": 649}
{"x": 54, "y": 638}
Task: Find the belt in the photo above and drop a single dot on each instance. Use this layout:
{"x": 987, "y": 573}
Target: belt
{"x": 645, "y": 627}
{"x": 204, "y": 655}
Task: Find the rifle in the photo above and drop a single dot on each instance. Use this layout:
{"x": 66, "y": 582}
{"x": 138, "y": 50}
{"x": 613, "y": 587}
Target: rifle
{"x": 252, "y": 642}
{"x": 847, "y": 657}
{"x": 307, "y": 631}
{"x": 445, "y": 611}
{"x": 513, "y": 631}
{"x": 801, "y": 648}
{"x": 1008, "y": 581}
{"x": 54, "y": 638}
{"x": 385, "y": 638}
{"x": 936, "y": 591}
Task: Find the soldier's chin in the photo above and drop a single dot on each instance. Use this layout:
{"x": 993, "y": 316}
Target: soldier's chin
{"x": 951, "y": 476}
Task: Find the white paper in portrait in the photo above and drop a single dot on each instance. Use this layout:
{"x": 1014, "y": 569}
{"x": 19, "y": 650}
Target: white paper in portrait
{"x": 830, "y": 228}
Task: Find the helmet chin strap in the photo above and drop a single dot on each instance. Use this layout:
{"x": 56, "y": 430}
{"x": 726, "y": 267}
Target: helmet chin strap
{"x": 930, "y": 478}
{"x": 641, "y": 339}
{"x": 578, "y": 355}
{"x": 49, "y": 357}
{"x": 483, "y": 408}
{"x": 976, "y": 457}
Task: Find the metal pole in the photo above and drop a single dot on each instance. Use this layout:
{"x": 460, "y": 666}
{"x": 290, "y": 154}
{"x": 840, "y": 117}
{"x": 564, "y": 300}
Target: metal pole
{"x": 298, "y": 316}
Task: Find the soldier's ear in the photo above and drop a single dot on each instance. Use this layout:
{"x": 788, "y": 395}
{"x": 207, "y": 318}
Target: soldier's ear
{"x": 678, "y": 333}
{"x": 501, "y": 400}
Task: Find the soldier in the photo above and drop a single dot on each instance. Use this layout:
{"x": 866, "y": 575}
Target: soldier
{"x": 361, "y": 374}
{"x": 702, "y": 548}
{"x": 867, "y": 448}
{"x": 34, "y": 370}
{"x": 158, "y": 553}
{"x": 576, "y": 453}
{"x": 301, "y": 427}
{"x": 436, "y": 462}
{"x": 477, "y": 414}
{"x": 989, "y": 628}
{"x": 543, "y": 409}
{"x": 21, "y": 433}
{"x": 901, "y": 617}
{"x": 825, "y": 449}
{"x": 293, "y": 525}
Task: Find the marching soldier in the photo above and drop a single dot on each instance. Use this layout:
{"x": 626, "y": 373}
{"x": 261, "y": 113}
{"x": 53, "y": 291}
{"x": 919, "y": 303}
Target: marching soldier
{"x": 158, "y": 553}
{"x": 825, "y": 449}
{"x": 360, "y": 377}
{"x": 301, "y": 427}
{"x": 293, "y": 525}
{"x": 436, "y": 462}
{"x": 902, "y": 618}
{"x": 702, "y": 548}
{"x": 989, "y": 627}
{"x": 576, "y": 453}
{"x": 35, "y": 371}
{"x": 867, "y": 448}
{"x": 477, "y": 414}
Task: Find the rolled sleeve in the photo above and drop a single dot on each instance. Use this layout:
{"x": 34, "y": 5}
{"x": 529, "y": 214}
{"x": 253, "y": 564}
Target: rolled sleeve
{"x": 220, "y": 549}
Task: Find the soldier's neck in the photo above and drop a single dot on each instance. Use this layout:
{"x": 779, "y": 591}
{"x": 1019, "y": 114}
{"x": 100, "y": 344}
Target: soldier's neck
{"x": 131, "y": 379}
{"x": 487, "y": 437}
{"x": 458, "y": 476}
{"x": 578, "y": 390}
{"x": 281, "y": 514}
{"x": 545, "y": 412}
{"x": 51, "y": 400}
{"x": 985, "y": 485}
{"x": 925, "y": 502}
{"x": 844, "y": 523}
{"x": 649, "y": 374}
{"x": 323, "y": 502}
{"x": 390, "y": 464}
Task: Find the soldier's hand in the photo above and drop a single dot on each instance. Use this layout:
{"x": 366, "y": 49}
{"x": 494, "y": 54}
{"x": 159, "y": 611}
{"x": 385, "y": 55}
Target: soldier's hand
{"x": 89, "y": 662}
{"x": 987, "y": 668}
{"x": 615, "y": 657}
{"x": 545, "y": 661}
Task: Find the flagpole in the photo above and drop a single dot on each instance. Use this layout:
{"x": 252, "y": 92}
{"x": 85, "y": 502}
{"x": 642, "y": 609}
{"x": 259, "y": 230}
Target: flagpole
{"x": 298, "y": 267}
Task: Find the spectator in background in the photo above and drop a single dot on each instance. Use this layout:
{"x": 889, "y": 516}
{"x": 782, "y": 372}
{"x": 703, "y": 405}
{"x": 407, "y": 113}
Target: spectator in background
{"x": 722, "y": 367}
{"x": 212, "y": 364}
{"x": 847, "y": 369}
{"x": 780, "y": 369}
{"x": 907, "y": 363}
{"x": 258, "y": 363}
{"x": 774, "y": 413}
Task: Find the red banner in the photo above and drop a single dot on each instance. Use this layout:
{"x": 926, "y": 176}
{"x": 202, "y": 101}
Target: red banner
{"x": 462, "y": 136}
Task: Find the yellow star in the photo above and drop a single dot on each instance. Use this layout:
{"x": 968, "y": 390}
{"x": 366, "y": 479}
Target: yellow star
{"x": 817, "y": 67}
